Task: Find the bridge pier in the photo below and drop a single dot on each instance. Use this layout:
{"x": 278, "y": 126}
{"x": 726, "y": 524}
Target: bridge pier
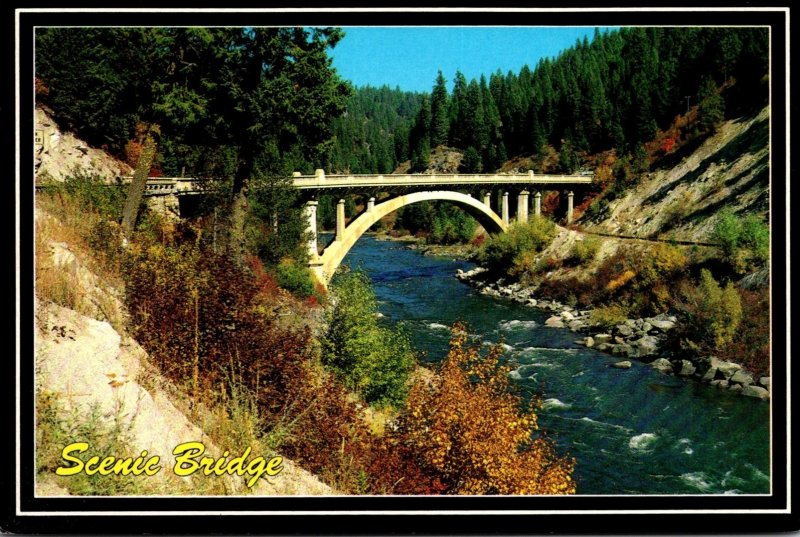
{"x": 340, "y": 220}
{"x": 522, "y": 206}
{"x": 505, "y": 208}
{"x": 570, "y": 195}
{"x": 487, "y": 199}
{"x": 311, "y": 228}
{"x": 537, "y": 203}
{"x": 370, "y": 205}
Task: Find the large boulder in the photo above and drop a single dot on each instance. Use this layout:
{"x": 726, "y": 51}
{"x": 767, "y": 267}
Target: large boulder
{"x": 646, "y": 327}
{"x": 554, "y": 322}
{"x": 710, "y": 374}
{"x": 756, "y": 391}
{"x": 623, "y": 350}
{"x": 720, "y": 383}
{"x": 687, "y": 368}
{"x": 662, "y": 325}
{"x": 727, "y": 369}
{"x": 743, "y": 378}
{"x": 625, "y": 364}
{"x": 647, "y": 345}
{"x": 602, "y": 338}
{"x": 765, "y": 381}
{"x": 589, "y": 341}
{"x": 567, "y": 315}
{"x": 625, "y": 330}
{"x": 662, "y": 364}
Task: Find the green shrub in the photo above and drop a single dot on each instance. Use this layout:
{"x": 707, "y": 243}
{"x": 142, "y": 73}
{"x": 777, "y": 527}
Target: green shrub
{"x": 295, "y": 278}
{"x": 584, "y": 252}
{"x": 503, "y": 251}
{"x": 712, "y": 313}
{"x": 744, "y": 241}
{"x": 608, "y": 316}
{"x": 373, "y": 360}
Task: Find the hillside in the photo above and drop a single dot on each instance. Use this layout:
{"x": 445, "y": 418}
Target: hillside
{"x": 682, "y": 198}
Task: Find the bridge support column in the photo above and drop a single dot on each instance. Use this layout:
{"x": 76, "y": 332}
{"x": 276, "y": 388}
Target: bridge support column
{"x": 522, "y": 206}
{"x": 537, "y": 204}
{"x": 505, "y": 207}
{"x": 570, "y": 195}
{"x": 340, "y": 220}
{"x": 370, "y": 205}
{"x": 487, "y": 199}
{"x": 311, "y": 228}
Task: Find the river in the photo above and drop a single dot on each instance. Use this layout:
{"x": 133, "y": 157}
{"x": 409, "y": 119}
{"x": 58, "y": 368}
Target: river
{"x": 632, "y": 431}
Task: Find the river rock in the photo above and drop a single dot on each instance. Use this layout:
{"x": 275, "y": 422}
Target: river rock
{"x": 647, "y": 345}
{"x": 720, "y": 383}
{"x": 554, "y": 322}
{"x": 662, "y": 325}
{"x": 756, "y": 391}
{"x": 622, "y": 350}
{"x": 625, "y": 364}
{"x": 589, "y": 342}
{"x": 630, "y": 322}
{"x": 603, "y": 347}
{"x": 741, "y": 377}
{"x": 662, "y": 364}
{"x": 687, "y": 368}
{"x": 646, "y": 327}
{"x": 736, "y": 387}
{"x": 765, "y": 381}
{"x": 602, "y": 338}
{"x": 710, "y": 375}
{"x": 575, "y": 326}
{"x": 567, "y": 315}
{"x": 727, "y": 369}
{"x": 532, "y": 302}
{"x": 619, "y": 340}
{"x": 624, "y": 330}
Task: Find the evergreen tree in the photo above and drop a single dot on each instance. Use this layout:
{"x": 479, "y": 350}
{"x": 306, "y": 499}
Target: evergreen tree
{"x": 439, "y": 111}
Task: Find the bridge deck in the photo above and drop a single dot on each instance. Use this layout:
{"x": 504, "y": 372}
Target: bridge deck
{"x": 321, "y": 181}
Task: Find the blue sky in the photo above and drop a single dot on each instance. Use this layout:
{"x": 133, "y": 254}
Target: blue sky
{"x": 410, "y": 57}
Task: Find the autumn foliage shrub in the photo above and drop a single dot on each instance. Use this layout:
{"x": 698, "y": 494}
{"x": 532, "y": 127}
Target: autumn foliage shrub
{"x": 469, "y": 428}
{"x": 711, "y": 314}
{"x": 751, "y": 345}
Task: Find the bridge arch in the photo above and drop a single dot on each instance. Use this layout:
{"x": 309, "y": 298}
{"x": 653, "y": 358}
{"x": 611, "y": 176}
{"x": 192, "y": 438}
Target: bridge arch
{"x": 326, "y": 264}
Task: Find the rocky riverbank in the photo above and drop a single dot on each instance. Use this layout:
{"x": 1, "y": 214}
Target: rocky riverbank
{"x": 640, "y": 339}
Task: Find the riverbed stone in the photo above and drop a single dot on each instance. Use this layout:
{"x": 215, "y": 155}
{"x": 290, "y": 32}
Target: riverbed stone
{"x": 736, "y": 387}
{"x": 603, "y": 347}
{"x": 532, "y": 301}
{"x": 554, "y": 322}
{"x": 756, "y": 391}
{"x": 625, "y": 330}
{"x": 765, "y": 381}
{"x": 625, "y": 364}
{"x": 742, "y": 377}
{"x": 567, "y": 315}
{"x": 662, "y": 325}
{"x": 720, "y": 383}
{"x": 622, "y": 350}
{"x": 710, "y": 375}
{"x": 589, "y": 341}
{"x": 647, "y": 345}
{"x": 646, "y": 327}
{"x": 687, "y": 368}
{"x": 727, "y": 369}
{"x": 619, "y": 340}
{"x": 575, "y": 326}
{"x": 662, "y": 364}
{"x": 602, "y": 338}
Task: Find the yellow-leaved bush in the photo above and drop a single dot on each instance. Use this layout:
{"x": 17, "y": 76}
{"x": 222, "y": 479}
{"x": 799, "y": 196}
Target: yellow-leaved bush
{"x": 470, "y": 428}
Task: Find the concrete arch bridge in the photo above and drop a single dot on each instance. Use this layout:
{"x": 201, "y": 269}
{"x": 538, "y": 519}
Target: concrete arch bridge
{"x": 406, "y": 189}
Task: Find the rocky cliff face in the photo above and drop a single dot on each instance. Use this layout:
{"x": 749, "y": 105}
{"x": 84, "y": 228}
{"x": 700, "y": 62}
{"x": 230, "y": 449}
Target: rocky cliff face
{"x": 59, "y": 154}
